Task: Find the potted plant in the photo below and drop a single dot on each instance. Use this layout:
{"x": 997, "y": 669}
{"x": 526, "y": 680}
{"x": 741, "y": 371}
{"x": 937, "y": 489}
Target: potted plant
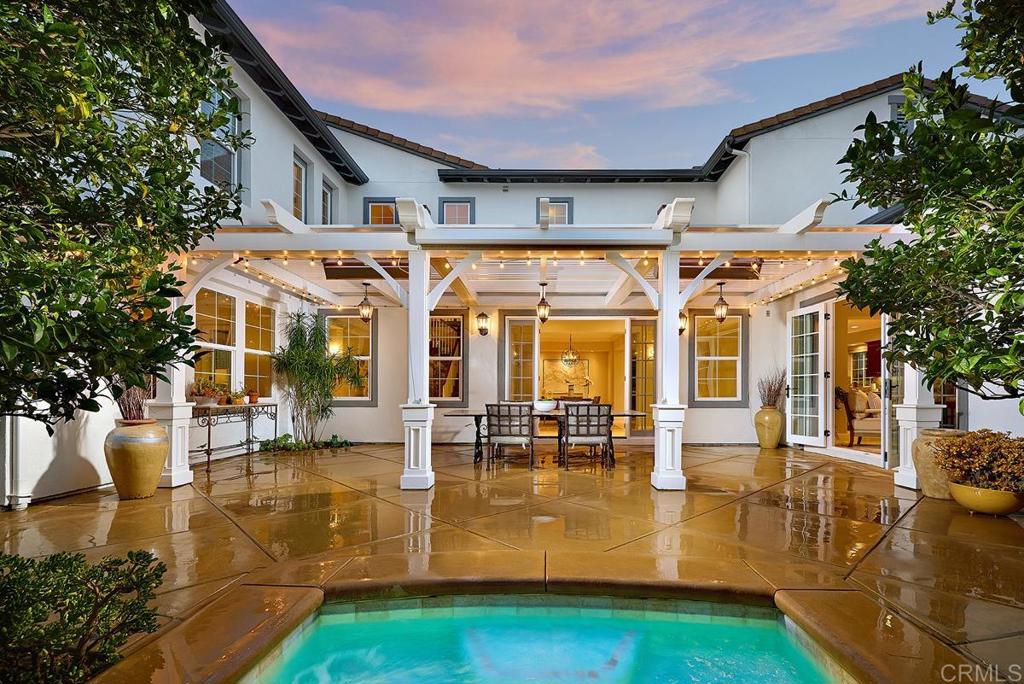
{"x": 253, "y": 395}
{"x": 236, "y": 398}
{"x": 205, "y": 392}
{"x": 768, "y": 419}
{"x": 136, "y": 449}
{"x": 986, "y": 470}
{"x": 931, "y": 478}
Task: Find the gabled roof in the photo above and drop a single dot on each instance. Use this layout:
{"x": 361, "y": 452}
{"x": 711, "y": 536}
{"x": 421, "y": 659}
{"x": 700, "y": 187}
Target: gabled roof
{"x": 398, "y": 142}
{"x": 247, "y": 52}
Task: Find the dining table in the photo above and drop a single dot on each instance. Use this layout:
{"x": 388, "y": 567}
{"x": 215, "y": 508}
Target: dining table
{"x": 558, "y": 414}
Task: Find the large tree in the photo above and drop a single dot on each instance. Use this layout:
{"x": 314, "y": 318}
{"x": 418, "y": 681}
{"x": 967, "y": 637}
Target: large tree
{"x": 956, "y": 165}
{"x": 101, "y": 116}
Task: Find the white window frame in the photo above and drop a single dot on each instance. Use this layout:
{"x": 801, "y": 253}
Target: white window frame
{"x": 259, "y": 352}
{"x": 740, "y": 361}
{"x": 535, "y": 380}
{"x": 371, "y": 370}
{"x": 328, "y": 191}
{"x": 298, "y": 163}
{"x": 214, "y": 346}
{"x": 446, "y": 202}
{"x": 230, "y": 128}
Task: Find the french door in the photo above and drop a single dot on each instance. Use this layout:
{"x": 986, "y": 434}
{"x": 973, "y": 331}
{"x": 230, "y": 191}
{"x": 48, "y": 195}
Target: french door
{"x": 806, "y": 400}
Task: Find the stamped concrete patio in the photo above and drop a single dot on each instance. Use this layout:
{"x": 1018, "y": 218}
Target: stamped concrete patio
{"x": 892, "y": 585}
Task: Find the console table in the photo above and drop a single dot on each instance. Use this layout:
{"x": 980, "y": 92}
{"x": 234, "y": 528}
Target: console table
{"x": 210, "y": 416}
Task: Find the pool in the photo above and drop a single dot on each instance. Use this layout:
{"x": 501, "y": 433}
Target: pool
{"x": 509, "y": 639}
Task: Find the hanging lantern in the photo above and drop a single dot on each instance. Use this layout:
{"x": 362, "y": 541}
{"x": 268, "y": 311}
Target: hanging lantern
{"x": 483, "y": 324}
{"x": 543, "y": 308}
{"x": 721, "y": 306}
{"x": 683, "y": 321}
{"x": 570, "y": 357}
{"x": 365, "y": 307}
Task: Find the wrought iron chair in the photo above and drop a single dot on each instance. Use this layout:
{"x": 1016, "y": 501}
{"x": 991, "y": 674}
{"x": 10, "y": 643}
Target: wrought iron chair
{"x": 588, "y": 425}
{"x": 509, "y": 425}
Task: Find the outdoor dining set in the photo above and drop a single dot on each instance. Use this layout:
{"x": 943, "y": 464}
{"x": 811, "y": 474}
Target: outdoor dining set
{"x": 511, "y": 427}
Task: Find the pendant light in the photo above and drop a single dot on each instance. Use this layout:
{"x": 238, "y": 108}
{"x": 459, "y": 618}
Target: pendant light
{"x": 365, "y": 307}
{"x": 721, "y": 306}
{"x": 570, "y": 357}
{"x": 543, "y": 308}
{"x": 483, "y": 324}
{"x": 683, "y": 321}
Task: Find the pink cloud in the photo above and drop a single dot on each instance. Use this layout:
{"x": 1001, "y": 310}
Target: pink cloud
{"x": 535, "y": 57}
{"x": 574, "y": 155}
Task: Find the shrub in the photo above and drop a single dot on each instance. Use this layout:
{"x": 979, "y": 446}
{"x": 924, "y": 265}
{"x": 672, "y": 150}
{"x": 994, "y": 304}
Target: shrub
{"x": 983, "y": 458}
{"x": 63, "y": 619}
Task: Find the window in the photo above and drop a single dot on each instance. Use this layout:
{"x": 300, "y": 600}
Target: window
{"x": 447, "y": 348}
{"x": 217, "y": 163}
{"x": 859, "y": 368}
{"x": 356, "y": 335}
{"x": 717, "y": 358}
{"x": 379, "y": 211}
{"x": 520, "y": 367}
{"x": 457, "y": 210}
{"x": 215, "y": 319}
{"x": 259, "y": 344}
{"x": 897, "y": 114}
{"x": 560, "y": 210}
{"x": 299, "y": 170}
{"x": 327, "y": 203}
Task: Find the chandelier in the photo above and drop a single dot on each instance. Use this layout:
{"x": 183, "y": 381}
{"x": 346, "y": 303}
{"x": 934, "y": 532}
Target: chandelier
{"x": 721, "y": 306}
{"x": 570, "y": 357}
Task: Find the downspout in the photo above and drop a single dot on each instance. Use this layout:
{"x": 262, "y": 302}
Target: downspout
{"x": 746, "y": 156}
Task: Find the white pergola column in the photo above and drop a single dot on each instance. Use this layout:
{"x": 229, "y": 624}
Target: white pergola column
{"x": 917, "y": 412}
{"x": 668, "y": 412}
{"x": 418, "y": 412}
{"x": 174, "y": 412}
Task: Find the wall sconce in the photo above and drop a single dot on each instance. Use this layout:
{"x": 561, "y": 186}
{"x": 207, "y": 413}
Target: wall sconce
{"x": 483, "y": 324}
{"x": 684, "y": 321}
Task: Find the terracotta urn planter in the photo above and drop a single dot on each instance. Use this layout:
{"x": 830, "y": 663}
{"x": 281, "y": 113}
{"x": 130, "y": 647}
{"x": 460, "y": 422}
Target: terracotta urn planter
{"x": 136, "y": 451}
{"x": 990, "y": 501}
{"x": 768, "y": 425}
{"x": 931, "y": 478}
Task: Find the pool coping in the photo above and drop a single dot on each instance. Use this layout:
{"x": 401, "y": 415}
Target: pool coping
{"x": 223, "y": 639}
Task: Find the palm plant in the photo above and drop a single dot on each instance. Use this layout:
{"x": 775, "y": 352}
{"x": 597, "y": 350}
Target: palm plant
{"x": 308, "y": 372}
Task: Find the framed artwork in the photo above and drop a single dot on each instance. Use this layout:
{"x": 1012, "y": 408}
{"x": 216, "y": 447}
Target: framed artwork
{"x": 559, "y": 379}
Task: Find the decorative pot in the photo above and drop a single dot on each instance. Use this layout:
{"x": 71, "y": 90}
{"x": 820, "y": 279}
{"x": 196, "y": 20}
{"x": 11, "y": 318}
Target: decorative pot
{"x": 990, "y": 501}
{"x": 136, "y": 451}
{"x": 930, "y": 477}
{"x": 202, "y": 400}
{"x": 254, "y": 397}
{"x": 768, "y": 425}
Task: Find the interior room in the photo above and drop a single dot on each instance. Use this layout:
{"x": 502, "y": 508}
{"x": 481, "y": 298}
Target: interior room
{"x": 584, "y": 359}
{"x": 857, "y": 370}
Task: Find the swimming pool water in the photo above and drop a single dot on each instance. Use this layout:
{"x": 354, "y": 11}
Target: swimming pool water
{"x": 550, "y": 644}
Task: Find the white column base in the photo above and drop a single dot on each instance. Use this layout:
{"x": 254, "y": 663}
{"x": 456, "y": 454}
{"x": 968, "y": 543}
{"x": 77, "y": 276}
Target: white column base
{"x": 912, "y": 418}
{"x": 668, "y": 447}
{"x": 418, "y": 473}
{"x": 175, "y": 417}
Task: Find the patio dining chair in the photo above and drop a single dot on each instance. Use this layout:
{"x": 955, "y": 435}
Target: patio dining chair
{"x": 590, "y": 426}
{"x": 509, "y": 425}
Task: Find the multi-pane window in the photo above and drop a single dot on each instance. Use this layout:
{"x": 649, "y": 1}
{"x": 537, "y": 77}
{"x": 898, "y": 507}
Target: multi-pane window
{"x": 215, "y": 319}
{"x": 299, "y": 170}
{"x": 717, "y": 361}
{"x": 456, "y": 212}
{"x": 945, "y": 394}
{"x": 217, "y": 163}
{"x": 355, "y": 335}
{"x": 859, "y": 368}
{"x": 642, "y": 371}
{"x": 259, "y": 344}
{"x": 520, "y": 367}
{"x": 559, "y": 212}
{"x": 381, "y": 213}
{"x": 446, "y": 351}
{"x": 327, "y": 203}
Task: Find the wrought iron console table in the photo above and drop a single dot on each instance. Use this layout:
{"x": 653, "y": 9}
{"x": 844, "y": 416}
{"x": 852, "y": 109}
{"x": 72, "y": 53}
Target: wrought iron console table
{"x": 209, "y": 416}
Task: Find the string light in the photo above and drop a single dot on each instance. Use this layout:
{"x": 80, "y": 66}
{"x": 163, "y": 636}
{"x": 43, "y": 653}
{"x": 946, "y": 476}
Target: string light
{"x": 501, "y": 264}
{"x": 285, "y": 260}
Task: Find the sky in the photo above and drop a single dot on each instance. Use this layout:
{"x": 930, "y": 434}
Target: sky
{"x": 590, "y": 83}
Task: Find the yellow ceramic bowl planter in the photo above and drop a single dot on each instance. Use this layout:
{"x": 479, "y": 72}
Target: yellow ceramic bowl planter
{"x": 990, "y": 501}
{"x": 136, "y": 451}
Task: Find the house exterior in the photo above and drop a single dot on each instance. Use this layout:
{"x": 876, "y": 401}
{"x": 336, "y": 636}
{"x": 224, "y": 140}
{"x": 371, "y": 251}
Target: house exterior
{"x": 453, "y": 255}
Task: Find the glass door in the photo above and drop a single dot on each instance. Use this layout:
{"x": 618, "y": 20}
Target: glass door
{"x": 521, "y": 359}
{"x": 805, "y": 393}
{"x": 892, "y": 394}
{"x": 642, "y": 375}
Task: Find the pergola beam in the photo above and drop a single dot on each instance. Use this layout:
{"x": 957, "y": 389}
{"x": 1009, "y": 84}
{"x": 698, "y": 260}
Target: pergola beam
{"x": 289, "y": 278}
{"x": 820, "y": 271}
{"x": 814, "y": 241}
{"x": 806, "y": 219}
{"x": 627, "y": 268}
{"x": 323, "y": 241}
{"x": 282, "y": 218}
{"x": 691, "y": 287}
{"x": 398, "y": 290}
{"x": 453, "y": 274}
{"x": 623, "y": 286}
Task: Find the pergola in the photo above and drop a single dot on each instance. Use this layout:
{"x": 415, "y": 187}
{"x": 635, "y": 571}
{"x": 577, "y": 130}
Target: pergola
{"x": 425, "y": 245}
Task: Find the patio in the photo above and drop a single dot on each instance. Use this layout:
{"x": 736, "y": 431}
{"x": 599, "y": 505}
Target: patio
{"x": 852, "y": 558}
